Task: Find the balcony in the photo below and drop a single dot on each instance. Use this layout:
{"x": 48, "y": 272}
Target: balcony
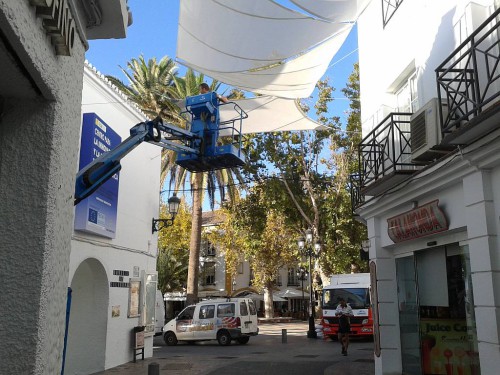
{"x": 384, "y": 158}
{"x": 468, "y": 81}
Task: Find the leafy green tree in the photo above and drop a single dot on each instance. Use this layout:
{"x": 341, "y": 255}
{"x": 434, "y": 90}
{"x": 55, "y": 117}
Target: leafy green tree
{"x": 255, "y": 232}
{"x": 342, "y": 232}
{"x": 173, "y": 251}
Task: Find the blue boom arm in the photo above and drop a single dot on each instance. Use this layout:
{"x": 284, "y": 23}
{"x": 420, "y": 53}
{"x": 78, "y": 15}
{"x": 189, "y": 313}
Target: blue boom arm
{"x": 105, "y": 166}
{"x": 198, "y": 149}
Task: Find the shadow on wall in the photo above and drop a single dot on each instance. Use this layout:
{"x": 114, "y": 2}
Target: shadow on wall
{"x": 86, "y": 349}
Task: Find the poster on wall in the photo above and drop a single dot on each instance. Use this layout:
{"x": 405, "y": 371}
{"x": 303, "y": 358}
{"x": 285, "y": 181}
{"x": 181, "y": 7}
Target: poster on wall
{"x": 133, "y": 298}
{"x": 97, "y": 213}
{"x": 446, "y": 348}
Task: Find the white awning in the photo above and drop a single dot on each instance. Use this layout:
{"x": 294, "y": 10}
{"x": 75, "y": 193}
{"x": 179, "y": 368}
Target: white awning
{"x": 268, "y": 114}
{"x": 262, "y": 46}
{"x": 290, "y": 293}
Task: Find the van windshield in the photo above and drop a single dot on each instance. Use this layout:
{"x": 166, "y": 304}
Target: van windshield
{"x": 357, "y": 298}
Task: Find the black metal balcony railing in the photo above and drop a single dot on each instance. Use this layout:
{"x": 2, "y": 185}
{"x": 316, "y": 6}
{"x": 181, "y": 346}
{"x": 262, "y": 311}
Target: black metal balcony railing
{"x": 384, "y": 158}
{"x": 389, "y": 7}
{"x": 468, "y": 80}
{"x": 357, "y": 199}
{"x": 386, "y": 149}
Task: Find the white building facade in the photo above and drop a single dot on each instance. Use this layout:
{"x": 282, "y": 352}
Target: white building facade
{"x": 113, "y": 250}
{"x": 428, "y": 182}
{"x": 42, "y": 47}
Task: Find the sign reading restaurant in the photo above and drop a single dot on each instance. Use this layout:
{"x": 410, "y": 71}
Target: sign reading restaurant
{"x": 58, "y": 23}
{"x": 419, "y": 222}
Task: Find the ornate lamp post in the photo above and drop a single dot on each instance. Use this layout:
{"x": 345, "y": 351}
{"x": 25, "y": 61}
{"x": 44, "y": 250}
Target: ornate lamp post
{"x": 302, "y": 275}
{"x": 306, "y": 249}
{"x": 173, "y": 209}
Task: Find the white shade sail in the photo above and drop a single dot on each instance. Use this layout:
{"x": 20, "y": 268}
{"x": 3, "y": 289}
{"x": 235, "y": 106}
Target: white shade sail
{"x": 333, "y": 10}
{"x": 260, "y": 45}
{"x": 268, "y": 114}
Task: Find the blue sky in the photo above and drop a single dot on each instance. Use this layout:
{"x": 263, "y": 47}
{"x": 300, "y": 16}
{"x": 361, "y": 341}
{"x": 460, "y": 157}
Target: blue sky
{"x": 154, "y": 34}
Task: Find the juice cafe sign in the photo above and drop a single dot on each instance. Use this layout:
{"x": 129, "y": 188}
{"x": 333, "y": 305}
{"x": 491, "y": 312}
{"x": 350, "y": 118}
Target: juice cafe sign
{"x": 419, "y": 222}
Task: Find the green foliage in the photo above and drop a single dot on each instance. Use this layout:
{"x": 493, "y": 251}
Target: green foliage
{"x": 310, "y": 183}
{"x": 255, "y": 232}
{"x": 173, "y": 253}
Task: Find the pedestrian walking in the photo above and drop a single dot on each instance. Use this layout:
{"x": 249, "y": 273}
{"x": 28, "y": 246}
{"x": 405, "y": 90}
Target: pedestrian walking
{"x": 344, "y": 312}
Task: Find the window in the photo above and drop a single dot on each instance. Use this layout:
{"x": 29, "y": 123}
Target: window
{"x": 207, "y": 312}
{"x": 251, "y": 306}
{"x": 250, "y": 281}
{"x": 226, "y": 309}
{"x": 243, "y": 308}
{"x": 187, "y": 313}
{"x": 277, "y": 281}
{"x": 208, "y": 277}
{"x": 240, "y": 267}
{"x": 389, "y": 7}
{"x": 407, "y": 95}
{"x": 292, "y": 277}
{"x": 208, "y": 249}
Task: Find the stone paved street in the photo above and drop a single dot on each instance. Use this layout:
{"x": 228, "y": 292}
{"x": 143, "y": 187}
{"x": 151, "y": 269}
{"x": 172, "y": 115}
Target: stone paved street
{"x": 264, "y": 354}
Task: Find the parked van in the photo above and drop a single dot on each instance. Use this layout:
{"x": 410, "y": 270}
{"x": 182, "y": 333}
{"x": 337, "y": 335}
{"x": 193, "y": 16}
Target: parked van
{"x": 159, "y": 313}
{"x": 219, "y": 319}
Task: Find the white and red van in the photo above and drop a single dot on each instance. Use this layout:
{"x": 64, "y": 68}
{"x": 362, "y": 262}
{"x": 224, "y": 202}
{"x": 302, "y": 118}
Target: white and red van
{"x": 223, "y": 320}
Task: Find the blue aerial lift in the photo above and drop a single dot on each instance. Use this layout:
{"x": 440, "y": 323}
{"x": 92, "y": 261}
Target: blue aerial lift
{"x": 208, "y": 144}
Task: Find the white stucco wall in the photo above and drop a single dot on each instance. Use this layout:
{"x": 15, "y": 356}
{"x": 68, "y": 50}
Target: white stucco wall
{"x": 38, "y": 142}
{"x": 419, "y": 36}
{"x": 138, "y": 203}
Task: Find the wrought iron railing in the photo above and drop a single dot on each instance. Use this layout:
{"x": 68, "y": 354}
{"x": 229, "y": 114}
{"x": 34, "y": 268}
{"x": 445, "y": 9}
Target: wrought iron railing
{"x": 386, "y": 149}
{"x": 357, "y": 199}
{"x": 389, "y": 7}
{"x": 468, "y": 80}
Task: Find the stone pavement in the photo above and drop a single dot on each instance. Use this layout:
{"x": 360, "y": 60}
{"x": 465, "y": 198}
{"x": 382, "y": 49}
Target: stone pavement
{"x": 264, "y": 354}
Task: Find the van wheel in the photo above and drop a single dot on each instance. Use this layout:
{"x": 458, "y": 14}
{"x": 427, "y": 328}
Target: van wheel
{"x": 170, "y": 338}
{"x": 243, "y": 340}
{"x": 224, "y": 338}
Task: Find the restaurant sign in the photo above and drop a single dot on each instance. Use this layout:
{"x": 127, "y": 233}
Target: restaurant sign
{"x": 58, "y": 23}
{"x": 419, "y": 222}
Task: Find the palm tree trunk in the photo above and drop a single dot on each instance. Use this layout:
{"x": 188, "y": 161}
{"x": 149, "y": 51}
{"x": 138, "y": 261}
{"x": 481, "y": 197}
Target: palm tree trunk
{"x": 195, "y": 242}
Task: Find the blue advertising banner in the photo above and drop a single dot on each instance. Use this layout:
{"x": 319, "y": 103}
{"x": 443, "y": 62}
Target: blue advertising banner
{"x": 97, "y": 213}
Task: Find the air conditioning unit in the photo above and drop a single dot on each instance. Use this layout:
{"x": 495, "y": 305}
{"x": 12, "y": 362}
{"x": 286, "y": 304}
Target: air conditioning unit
{"x": 425, "y": 132}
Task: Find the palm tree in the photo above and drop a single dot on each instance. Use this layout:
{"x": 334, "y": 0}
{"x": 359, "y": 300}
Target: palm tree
{"x": 155, "y": 89}
{"x": 210, "y": 181}
{"x": 148, "y": 82}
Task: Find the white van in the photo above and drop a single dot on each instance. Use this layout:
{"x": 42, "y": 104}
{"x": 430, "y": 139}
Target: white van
{"x": 219, "y": 319}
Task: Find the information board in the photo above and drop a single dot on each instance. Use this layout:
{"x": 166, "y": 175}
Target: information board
{"x": 97, "y": 213}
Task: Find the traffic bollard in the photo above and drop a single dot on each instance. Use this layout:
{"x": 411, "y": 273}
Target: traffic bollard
{"x": 283, "y": 336}
{"x": 154, "y": 369}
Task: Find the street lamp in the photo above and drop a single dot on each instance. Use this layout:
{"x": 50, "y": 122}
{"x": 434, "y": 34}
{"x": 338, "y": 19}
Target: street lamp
{"x": 173, "y": 209}
{"x": 306, "y": 249}
{"x": 302, "y": 274}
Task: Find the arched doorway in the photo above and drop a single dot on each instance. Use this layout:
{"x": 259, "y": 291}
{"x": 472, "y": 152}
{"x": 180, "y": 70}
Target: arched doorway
{"x": 86, "y": 350}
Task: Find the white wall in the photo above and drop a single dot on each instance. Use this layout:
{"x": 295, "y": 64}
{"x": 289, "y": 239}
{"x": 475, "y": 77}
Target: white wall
{"x": 39, "y": 125}
{"x": 138, "y": 203}
{"x": 420, "y": 35}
